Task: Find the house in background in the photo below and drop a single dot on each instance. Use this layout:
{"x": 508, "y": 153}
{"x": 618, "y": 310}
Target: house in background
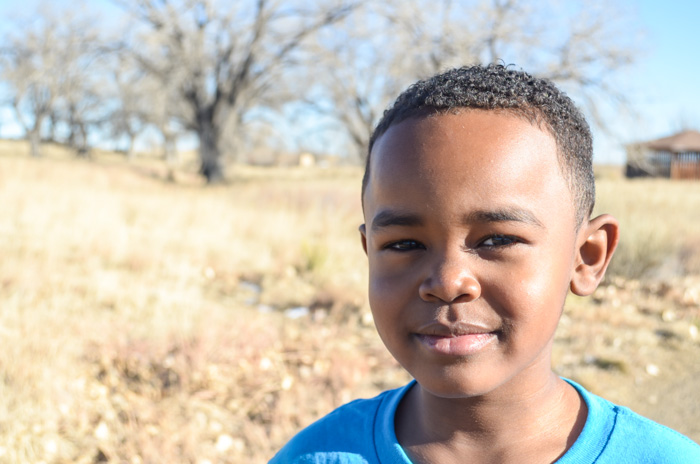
{"x": 673, "y": 157}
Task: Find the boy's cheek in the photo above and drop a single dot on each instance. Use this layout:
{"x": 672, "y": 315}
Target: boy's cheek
{"x": 392, "y": 273}
{"x": 382, "y": 285}
{"x": 387, "y": 289}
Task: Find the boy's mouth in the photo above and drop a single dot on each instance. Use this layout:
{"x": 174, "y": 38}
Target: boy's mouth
{"x": 459, "y": 339}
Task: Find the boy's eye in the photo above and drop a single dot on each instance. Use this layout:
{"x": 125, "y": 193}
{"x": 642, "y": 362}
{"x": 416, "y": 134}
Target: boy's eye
{"x": 499, "y": 240}
{"x": 404, "y": 245}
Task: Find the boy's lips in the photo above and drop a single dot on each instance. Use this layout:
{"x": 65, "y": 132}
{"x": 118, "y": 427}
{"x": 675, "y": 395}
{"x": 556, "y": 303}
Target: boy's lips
{"x": 458, "y": 339}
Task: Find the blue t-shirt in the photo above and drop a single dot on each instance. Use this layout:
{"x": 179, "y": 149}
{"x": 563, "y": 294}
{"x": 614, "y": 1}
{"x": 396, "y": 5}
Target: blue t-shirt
{"x": 362, "y": 432}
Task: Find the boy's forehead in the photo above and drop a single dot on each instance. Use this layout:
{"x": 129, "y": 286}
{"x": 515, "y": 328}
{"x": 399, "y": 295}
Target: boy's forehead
{"x": 472, "y": 159}
{"x": 420, "y": 141}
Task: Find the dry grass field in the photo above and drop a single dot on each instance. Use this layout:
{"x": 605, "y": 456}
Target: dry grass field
{"x": 146, "y": 321}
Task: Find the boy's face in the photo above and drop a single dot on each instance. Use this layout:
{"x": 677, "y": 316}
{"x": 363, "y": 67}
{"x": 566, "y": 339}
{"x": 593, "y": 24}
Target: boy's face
{"x": 471, "y": 237}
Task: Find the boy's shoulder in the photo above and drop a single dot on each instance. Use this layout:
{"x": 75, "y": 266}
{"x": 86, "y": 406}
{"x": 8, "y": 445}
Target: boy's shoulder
{"x": 635, "y": 435}
{"x": 614, "y": 434}
{"x": 356, "y": 432}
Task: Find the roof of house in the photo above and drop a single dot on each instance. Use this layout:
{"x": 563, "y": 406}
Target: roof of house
{"x": 687, "y": 140}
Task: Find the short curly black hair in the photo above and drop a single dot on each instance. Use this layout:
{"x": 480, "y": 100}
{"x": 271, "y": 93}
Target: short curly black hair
{"x": 498, "y": 87}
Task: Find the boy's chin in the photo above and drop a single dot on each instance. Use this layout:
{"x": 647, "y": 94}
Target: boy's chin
{"x": 458, "y": 387}
{"x": 455, "y": 383}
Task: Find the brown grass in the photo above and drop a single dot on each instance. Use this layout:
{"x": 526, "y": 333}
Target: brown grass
{"x": 144, "y": 321}
{"x": 660, "y": 226}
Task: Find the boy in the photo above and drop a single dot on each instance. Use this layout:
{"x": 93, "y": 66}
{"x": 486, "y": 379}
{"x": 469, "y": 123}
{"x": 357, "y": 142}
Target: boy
{"x": 477, "y": 198}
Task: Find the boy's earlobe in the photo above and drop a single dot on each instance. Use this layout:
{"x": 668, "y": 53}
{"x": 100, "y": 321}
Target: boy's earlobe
{"x": 597, "y": 242}
{"x": 363, "y": 235}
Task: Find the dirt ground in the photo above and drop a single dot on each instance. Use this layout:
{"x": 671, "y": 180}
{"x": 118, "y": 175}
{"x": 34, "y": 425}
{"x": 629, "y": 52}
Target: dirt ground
{"x": 676, "y": 398}
{"x": 638, "y": 346}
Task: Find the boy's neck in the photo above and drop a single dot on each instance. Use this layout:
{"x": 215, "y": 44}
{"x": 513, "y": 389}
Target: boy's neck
{"x": 539, "y": 426}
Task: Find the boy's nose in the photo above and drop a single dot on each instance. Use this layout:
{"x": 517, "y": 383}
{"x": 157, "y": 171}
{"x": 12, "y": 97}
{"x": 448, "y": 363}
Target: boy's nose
{"x": 449, "y": 281}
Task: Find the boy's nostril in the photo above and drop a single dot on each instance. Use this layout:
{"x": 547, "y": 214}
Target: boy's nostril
{"x": 462, "y": 287}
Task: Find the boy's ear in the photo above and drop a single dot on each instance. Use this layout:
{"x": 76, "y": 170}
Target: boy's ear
{"x": 596, "y": 244}
{"x": 363, "y": 234}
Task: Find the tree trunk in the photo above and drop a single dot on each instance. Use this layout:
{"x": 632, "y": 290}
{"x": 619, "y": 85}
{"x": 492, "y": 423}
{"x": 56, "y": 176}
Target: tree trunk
{"x": 170, "y": 153}
{"x": 34, "y": 142}
{"x": 130, "y": 150}
{"x": 209, "y": 153}
{"x": 82, "y": 148}
{"x": 71, "y": 135}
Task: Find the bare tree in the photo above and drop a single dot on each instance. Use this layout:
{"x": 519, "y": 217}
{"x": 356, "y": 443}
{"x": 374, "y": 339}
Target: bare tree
{"x": 361, "y": 71}
{"x": 162, "y": 109}
{"x": 30, "y": 67}
{"x": 47, "y": 65}
{"x": 130, "y": 95}
{"x": 80, "y": 109}
{"x": 224, "y": 58}
{"x": 139, "y": 99}
{"x": 579, "y": 45}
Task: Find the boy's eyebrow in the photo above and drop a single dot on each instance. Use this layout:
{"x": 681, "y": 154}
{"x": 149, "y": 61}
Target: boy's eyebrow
{"x": 387, "y": 218}
{"x": 503, "y": 215}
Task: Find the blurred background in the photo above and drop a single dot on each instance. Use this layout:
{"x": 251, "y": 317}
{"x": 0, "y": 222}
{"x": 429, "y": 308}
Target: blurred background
{"x": 181, "y": 276}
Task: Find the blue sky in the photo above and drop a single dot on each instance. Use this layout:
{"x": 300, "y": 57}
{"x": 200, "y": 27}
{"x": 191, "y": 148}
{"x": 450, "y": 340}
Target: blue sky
{"x": 670, "y": 73}
{"x": 663, "y": 86}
